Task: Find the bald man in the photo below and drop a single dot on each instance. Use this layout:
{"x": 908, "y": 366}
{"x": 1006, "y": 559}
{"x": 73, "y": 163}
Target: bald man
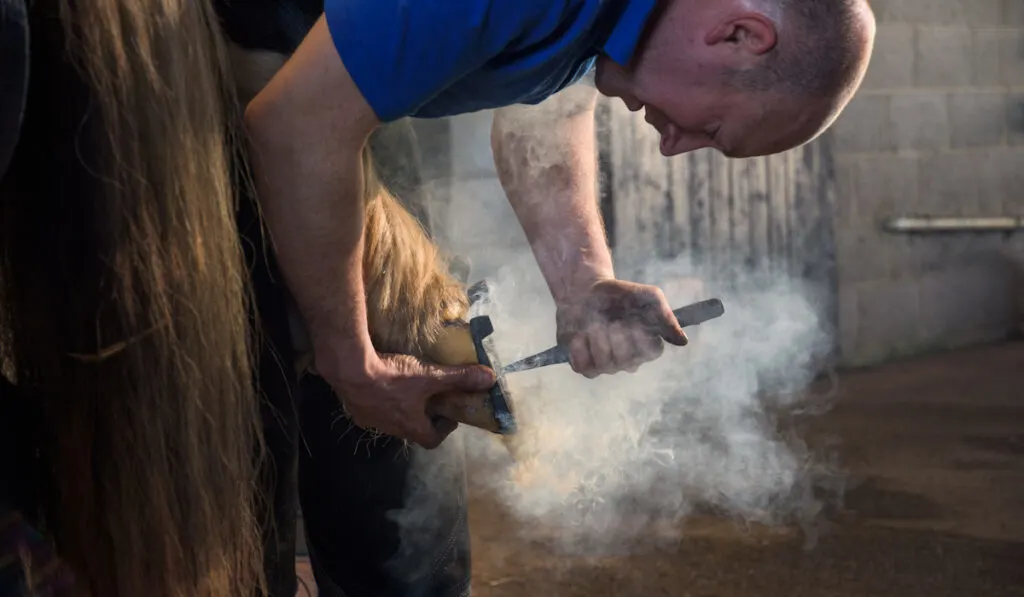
{"x": 747, "y": 77}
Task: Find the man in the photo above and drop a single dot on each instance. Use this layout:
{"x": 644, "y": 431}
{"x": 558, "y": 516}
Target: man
{"x": 747, "y": 77}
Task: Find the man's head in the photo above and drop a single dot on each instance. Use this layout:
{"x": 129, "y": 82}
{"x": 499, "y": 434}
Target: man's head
{"x": 748, "y": 77}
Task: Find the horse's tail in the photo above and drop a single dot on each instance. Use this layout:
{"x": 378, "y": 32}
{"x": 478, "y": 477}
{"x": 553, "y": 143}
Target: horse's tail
{"x": 124, "y": 299}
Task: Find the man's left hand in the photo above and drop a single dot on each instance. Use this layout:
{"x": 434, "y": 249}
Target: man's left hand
{"x": 616, "y": 326}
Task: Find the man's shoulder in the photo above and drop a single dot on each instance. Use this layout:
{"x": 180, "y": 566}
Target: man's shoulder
{"x": 444, "y": 57}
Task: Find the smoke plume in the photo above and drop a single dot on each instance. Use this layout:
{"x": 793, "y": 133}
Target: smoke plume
{"x": 599, "y": 464}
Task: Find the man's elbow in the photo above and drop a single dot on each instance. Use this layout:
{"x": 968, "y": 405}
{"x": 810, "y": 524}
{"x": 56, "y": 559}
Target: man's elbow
{"x": 311, "y": 99}
{"x": 265, "y": 120}
{"x": 564, "y": 109}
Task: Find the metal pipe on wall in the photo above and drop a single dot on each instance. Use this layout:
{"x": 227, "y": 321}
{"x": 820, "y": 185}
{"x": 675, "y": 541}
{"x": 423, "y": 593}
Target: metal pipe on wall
{"x": 953, "y": 224}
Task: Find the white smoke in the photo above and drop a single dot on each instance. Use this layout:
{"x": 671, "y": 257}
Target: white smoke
{"x": 600, "y": 463}
{"x": 597, "y": 462}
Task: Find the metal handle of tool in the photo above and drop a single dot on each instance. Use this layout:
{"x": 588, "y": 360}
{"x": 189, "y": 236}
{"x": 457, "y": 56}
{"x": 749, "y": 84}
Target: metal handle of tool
{"x": 687, "y": 316}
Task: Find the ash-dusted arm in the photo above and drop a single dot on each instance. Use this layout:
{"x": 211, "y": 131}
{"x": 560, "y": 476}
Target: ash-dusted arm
{"x": 546, "y": 161}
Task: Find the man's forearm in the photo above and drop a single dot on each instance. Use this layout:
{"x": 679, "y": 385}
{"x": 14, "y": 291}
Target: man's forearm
{"x": 313, "y": 206}
{"x": 308, "y": 128}
{"x": 545, "y": 156}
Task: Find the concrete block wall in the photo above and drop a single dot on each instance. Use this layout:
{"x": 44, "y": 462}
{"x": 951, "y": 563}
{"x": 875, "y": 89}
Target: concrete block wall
{"x": 937, "y": 129}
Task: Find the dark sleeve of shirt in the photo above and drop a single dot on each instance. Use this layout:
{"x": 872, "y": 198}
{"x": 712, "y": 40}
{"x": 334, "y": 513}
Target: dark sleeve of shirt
{"x": 13, "y": 75}
{"x": 273, "y": 25}
{"x": 402, "y": 53}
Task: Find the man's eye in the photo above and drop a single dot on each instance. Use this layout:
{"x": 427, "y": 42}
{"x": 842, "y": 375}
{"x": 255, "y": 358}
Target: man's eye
{"x": 712, "y": 133}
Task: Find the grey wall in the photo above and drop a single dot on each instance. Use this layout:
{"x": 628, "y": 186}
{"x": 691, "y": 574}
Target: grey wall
{"x": 937, "y": 129}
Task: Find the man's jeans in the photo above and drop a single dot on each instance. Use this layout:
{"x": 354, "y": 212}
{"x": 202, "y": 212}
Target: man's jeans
{"x": 381, "y": 518}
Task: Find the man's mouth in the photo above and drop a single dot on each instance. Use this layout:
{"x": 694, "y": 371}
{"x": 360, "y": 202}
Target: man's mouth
{"x": 668, "y": 132}
{"x": 669, "y": 139}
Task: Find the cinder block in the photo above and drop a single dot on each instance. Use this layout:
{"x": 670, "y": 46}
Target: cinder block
{"x": 1003, "y": 187}
{"x": 864, "y": 125}
{"x": 940, "y": 12}
{"x": 949, "y": 183}
{"x": 919, "y": 120}
{"x": 892, "y": 61}
{"x": 1000, "y": 179}
{"x": 861, "y": 253}
{"x": 914, "y": 254}
{"x": 943, "y": 57}
{"x": 1015, "y": 119}
{"x": 1011, "y": 57}
{"x": 971, "y": 183}
{"x": 981, "y": 12}
{"x": 977, "y": 119}
{"x": 881, "y": 186}
{"x": 965, "y": 304}
{"x": 985, "y": 57}
{"x": 1013, "y": 13}
{"x": 887, "y": 318}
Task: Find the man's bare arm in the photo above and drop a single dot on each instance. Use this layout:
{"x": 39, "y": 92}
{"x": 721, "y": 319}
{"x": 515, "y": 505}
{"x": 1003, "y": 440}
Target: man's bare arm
{"x": 307, "y": 128}
{"x": 546, "y": 160}
{"x": 547, "y": 164}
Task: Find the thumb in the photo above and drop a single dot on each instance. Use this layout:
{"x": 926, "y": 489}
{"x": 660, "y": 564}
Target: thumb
{"x": 671, "y": 331}
{"x": 471, "y": 378}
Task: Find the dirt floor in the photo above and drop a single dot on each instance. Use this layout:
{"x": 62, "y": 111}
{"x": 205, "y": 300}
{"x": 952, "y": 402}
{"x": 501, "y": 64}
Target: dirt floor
{"x": 935, "y": 452}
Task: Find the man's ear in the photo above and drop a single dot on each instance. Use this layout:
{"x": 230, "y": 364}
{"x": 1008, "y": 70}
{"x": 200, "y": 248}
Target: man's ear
{"x": 750, "y": 31}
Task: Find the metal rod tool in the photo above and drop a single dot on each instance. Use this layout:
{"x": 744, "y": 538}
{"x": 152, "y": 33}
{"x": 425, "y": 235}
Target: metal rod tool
{"x": 689, "y": 315}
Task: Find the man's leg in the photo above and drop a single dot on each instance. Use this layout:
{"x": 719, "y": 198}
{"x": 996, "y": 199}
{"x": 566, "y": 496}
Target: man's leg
{"x": 382, "y": 519}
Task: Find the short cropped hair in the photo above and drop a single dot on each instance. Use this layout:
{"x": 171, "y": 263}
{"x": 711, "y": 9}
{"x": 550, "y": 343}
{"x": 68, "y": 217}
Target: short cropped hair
{"x": 818, "y": 51}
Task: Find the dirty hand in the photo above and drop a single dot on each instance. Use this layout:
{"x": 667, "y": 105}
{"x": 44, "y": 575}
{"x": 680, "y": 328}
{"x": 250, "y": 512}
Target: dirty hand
{"x": 392, "y": 395}
{"x": 616, "y": 326}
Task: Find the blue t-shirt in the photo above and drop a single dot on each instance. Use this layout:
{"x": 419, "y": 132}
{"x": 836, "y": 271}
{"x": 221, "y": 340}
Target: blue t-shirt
{"x": 435, "y": 58}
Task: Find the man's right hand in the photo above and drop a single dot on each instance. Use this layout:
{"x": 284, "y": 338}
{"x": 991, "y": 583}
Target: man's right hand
{"x": 392, "y": 393}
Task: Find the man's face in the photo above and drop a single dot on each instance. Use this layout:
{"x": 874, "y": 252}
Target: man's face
{"x": 713, "y": 114}
{"x": 679, "y": 77}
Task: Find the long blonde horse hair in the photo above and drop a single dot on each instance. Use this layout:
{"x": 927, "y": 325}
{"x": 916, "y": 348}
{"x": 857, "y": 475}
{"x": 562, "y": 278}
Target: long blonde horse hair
{"x": 129, "y": 326}
{"x": 410, "y": 294}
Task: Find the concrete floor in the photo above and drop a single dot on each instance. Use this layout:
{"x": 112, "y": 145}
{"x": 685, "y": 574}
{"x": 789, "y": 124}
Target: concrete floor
{"x": 935, "y": 448}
